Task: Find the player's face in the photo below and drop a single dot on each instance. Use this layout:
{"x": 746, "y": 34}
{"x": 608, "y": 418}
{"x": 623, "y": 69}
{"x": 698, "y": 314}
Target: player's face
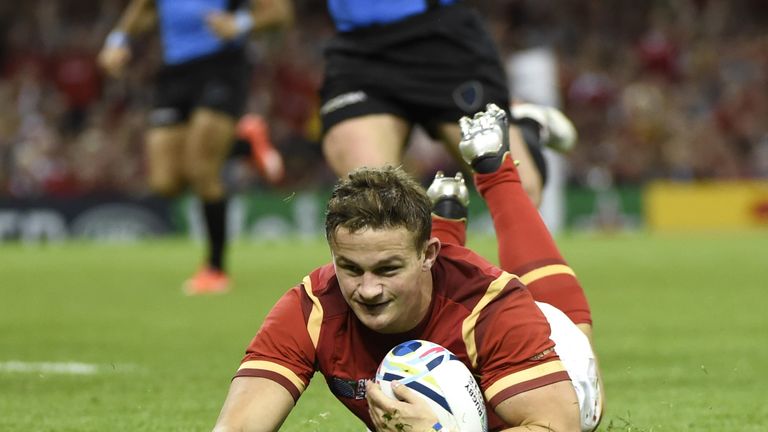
{"x": 384, "y": 279}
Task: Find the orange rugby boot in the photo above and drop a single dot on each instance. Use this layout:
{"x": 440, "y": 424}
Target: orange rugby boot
{"x": 207, "y": 281}
{"x": 268, "y": 161}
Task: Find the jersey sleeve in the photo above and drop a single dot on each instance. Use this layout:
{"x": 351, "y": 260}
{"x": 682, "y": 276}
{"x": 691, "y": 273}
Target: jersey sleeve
{"x": 515, "y": 353}
{"x": 282, "y": 350}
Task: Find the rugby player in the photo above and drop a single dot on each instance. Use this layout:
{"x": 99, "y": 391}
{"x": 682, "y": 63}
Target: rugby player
{"x": 400, "y": 271}
{"x": 392, "y": 65}
{"x": 200, "y": 92}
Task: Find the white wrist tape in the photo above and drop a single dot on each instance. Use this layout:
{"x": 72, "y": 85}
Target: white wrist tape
{"x": 116, "y": 39}
{"x": 243, "y": 21}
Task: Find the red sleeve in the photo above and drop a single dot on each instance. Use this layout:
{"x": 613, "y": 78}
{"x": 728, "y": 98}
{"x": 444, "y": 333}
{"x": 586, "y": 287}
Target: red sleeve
{"x": 282, "y": 350}
{"x": 515, "y": 353}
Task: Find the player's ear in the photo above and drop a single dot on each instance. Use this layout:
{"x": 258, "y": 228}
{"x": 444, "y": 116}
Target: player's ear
{"x": 431, "y": 251}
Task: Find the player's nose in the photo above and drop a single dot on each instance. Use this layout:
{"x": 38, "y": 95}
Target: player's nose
{"x": 370, "y": 287}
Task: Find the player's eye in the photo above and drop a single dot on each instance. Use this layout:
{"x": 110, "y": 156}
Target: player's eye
{"x": 387, "y": 271}
{"x": 352, "y": 270}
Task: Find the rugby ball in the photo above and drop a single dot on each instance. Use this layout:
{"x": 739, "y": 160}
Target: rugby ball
{"x": 440, "y": 378}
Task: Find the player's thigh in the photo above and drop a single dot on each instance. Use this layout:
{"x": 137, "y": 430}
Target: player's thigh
{"x": 209, "y": 140}
{"x": 450, "y": 135}
{"x": 371, "y": 140}
{"x": 576, "y": 354}
{"x": 164, "y": 150}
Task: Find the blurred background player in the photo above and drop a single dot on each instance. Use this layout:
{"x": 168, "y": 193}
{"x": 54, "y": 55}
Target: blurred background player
{"x": 199, "y": 95}
{"x": 392, "y": 66}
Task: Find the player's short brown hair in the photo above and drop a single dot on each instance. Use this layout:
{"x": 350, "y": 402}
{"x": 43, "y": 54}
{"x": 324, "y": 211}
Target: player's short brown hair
{"x": 379, "y": 198}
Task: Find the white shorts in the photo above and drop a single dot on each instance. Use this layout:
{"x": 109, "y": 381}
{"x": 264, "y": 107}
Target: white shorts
{"x": 575, "y": 351}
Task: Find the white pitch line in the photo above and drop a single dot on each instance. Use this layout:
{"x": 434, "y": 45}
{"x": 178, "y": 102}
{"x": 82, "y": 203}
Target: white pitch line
{"x": 64, "y": 368}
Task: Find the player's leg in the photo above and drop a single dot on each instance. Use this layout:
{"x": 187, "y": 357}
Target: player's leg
{"x": 526, "y": 247}
{"x": 163, "y": 149}
{"x": 253, "y": 129}
{"x": 360, "y": 128}
{"x": 575, "y": 351}
{"x": 166, "y": 137}
{"x": 208, "y": 142}
{"x": 469, "y": 75}
{"x": 534, "y": 127}
{"x": 372, "y": 140}
{"x": 450, "y": 198}
{"x": 220, "y": 94}
{"x": 167, "y": 146}
{"x": 531, "y": 169}
{"x": 209, "y": 139}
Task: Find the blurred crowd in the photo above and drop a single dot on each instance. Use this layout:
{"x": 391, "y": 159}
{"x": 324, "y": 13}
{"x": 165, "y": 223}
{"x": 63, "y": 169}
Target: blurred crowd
{"x": 674, "y": 89}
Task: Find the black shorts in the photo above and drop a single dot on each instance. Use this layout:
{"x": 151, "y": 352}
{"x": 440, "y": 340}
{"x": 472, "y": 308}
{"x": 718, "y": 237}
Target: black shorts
{"x": 431, "y": 68}
{"x": 219, "y": 82}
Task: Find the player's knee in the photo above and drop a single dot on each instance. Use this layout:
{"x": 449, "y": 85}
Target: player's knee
{"x": 338, "y": 156}
{"x": 371, "y": 141}
{"x": 164, "y": 186}
{"x": 207, "y": 188}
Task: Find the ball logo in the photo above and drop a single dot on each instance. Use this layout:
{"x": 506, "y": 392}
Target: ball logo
{"x": 473, "y": 390}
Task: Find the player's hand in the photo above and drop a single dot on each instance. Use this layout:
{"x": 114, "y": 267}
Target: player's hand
{"x": 113, "y": 60}
{"x": 222, "y": 24}
{"x": 409, "y": 413}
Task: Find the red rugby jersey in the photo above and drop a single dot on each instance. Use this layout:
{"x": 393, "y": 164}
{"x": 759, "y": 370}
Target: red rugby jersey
{"x": 483, "y": 315}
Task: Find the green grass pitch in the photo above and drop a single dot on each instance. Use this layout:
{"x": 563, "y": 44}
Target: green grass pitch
{"x": 98, "y": 337}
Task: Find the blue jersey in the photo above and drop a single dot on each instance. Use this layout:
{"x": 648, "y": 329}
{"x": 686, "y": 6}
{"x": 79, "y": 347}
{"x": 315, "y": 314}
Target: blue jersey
{"x": 354, "y": 14}
{"x": 183, "y": 30}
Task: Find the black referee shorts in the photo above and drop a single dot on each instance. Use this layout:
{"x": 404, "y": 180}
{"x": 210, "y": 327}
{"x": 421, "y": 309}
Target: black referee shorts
{"x": 431, "y": 68}
{"x": 219, "y": 82}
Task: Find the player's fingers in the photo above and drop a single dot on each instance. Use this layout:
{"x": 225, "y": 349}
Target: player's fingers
{"x": 377, "y": 418}
{"x": 377, "y": 400}
{"x": 382, "y": 409}
{"x": 403, "y": 393}
{"x": 375, "y": 396}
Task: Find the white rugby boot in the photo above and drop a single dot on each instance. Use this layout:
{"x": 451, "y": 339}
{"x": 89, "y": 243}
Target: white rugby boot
{"x": 449, "y": 196}
{"x": 484, "y": 139}
{"x": 556, "y": 131}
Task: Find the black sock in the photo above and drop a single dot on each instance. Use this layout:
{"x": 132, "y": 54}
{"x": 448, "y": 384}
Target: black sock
{"x": 240, "y": 148}
{"x": 531, "y": 132}
{"x": 215, "y": 213}
{"x": 449, "y": 208}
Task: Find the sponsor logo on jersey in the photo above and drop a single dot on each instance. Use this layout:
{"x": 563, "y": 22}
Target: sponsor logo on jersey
{"x": 354, "y": 389}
